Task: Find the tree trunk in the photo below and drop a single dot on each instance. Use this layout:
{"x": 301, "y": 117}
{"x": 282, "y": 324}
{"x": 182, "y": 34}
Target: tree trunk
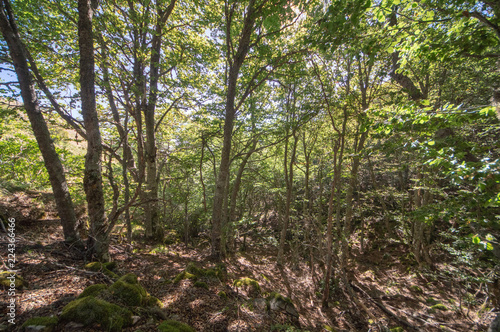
{"x": 235, "y": 191}
{"x": 230, "y": 115}
{"x": 51, "y": 159}
{"x": 329, "y": 231}
{"x": 289, "y": 190}
{"x": 98, "y": 242}
{"x": 352, "y": 183}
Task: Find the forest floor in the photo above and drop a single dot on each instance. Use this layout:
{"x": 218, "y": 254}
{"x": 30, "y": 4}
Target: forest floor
{"x": 395, "y": 292}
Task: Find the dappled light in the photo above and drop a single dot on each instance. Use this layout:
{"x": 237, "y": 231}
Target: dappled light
{"x": 250, "y": 165}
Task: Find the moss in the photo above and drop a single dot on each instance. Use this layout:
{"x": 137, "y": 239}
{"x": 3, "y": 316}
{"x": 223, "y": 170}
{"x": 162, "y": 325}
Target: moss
{"x": 110, "y": 266}
{"x": 174, "y": 326}
{"x": 193, "y": 269}
{"x": 154, "y": 302}
{"x": 48, "y": 322}
{"x": 200, "y": 284}
{"x": 278, "y": 297}
{"x": 93, "y": 290}
{"x": 416, "y": 289}
{"x": 105, "y": 268}
{"x": 431, "y": 300}
{"x": 129, "y": 278}
{"x": 5, "y": 280}
{"x": 439, "y": 306}
{"x": 184, "y": 275}
{"x": 94, "y": 266}
{"x": 397, "y": 329}
{"x": 222, "y": 295}
{"x": 221, "y": 271}
{"x": 89, "y": 310}
{"x": 250, "y": 283}
{"x": 128, "y": 291}
{"x": 276, "y": 301}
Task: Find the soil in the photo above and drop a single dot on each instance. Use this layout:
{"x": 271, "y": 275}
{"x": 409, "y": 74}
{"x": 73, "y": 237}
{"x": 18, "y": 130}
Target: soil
{"x": 392, "y": 288}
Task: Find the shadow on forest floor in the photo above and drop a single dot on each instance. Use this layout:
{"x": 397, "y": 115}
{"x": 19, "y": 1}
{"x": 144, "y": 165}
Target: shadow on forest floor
{"x": 384, "y": 279}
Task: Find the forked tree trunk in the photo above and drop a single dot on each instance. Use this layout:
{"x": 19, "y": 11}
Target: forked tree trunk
{"x": 51, "y": 159}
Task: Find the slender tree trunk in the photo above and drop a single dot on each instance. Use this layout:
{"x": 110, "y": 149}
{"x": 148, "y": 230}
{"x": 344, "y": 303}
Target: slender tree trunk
{"x": 377, "y": 194}
{"x": 353, "y": 179}
{"x": 126, "y": 185}
{"x": 98, "y": 242}
{"x": 154, "y": 227}
{"x": 329, "y": 230}
{"x": 51, "y": 159}
{"x": 235, "y": 191}
{"x": 230, "y": 115}
{"x": 289, "y": 191}
{"x": 201, "y": 174}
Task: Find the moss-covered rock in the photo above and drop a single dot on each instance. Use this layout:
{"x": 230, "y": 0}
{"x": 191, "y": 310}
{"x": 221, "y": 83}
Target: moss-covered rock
{"x": 154, "y": 302}
{"x": 193, "y": 269}
{"x": 222, "y": 295}
{"x": 128, "y": 291}
{"x": 200, "y": 284}
{"x": 93, "y": 290}
{"x": 174, "y": 326}
{"x": 250, "y": 285}
{"x": 48, "y": 322}
{"x": 108, "y": 268}
{"x": 8, "y": 278}
{"x": 184, "y": 275}
{"x": 276, "y": 301}
{"x": 438, "y": 306}
{"x": 89, "y": 311}
{"x": 195, "y": 273}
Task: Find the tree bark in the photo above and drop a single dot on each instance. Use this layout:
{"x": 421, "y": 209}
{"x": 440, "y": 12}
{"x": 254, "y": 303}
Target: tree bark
{"x": 98, "y": 242}
{"x": 51, "y": 159}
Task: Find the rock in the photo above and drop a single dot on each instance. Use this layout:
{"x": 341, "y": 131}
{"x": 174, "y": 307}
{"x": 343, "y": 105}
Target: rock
{"x": 135, "y": 319}
{"x": 40, "y": 324}
{"x": 37, "y": 328}
{"x": 93, "y": 290}
{"x": 250, "y": 285}
{"x": 72, "y": 326}
{"x": 129, "y": 291}
{"x": 260, "y": 304}
{"x": 495, "y": 324}
{"x": 89, "y": 311}
{"x": 9, "y": 279}
{"x": 278, "y": 302}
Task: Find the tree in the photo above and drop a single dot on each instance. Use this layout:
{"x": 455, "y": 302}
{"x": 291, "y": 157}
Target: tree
{"x": 52, "y": 162}
{"x": 262, "y": 22}
{"x": 98, "y": 242}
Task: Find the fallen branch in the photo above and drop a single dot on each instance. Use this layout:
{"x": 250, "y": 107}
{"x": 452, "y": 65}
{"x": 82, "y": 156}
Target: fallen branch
{"x": 386, "y": 310}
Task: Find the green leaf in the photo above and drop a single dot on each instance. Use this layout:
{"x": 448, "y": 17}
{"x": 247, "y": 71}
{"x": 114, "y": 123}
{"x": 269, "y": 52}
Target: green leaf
{"x": 476, "y": 239}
